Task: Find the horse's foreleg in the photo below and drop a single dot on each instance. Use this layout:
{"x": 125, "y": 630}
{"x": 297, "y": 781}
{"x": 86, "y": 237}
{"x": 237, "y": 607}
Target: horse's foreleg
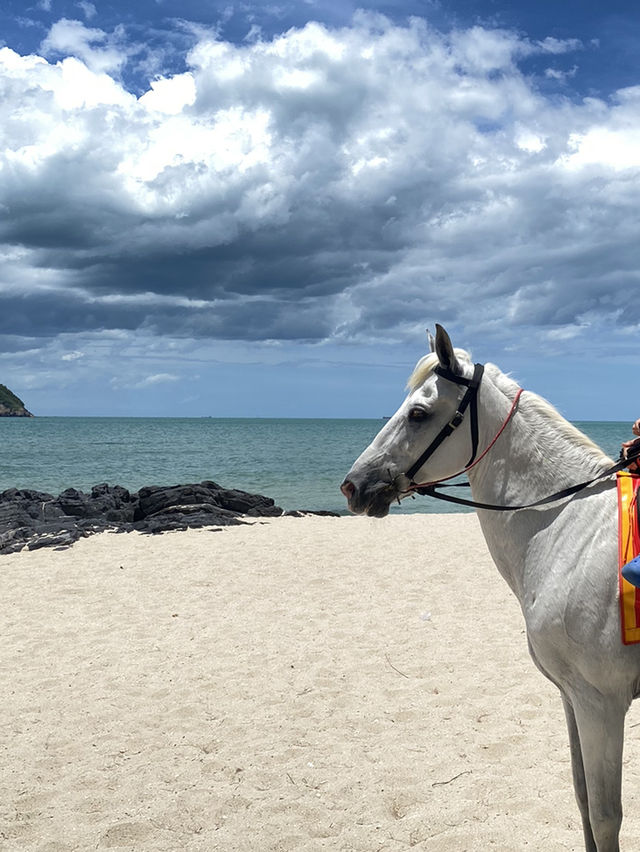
{"x": 599, "y": 724}
{"x": 579, "y": 782}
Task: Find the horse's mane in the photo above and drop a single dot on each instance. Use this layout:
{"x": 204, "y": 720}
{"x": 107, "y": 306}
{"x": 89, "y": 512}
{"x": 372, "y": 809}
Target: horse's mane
{"x": 550, "y": 424}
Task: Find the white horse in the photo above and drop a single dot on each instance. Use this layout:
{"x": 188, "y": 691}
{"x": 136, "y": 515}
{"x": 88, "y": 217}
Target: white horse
{"x": 560, "y": 559}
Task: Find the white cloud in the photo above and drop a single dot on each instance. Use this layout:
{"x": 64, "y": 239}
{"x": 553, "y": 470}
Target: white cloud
{"x": 559, "y": 46}
{"x": 612, "y": 148}
{"x": 528, "y": 141}
{"x": 88, "y": 9}
{"x": 561, "y": 75}
{"x": 170, "y": 95}
{"x": 484, "y": 51}
{"x": 567, "y": 332}
{"x": 71, "y": 38}
{"x": 129, "y": 378}
{"x": 157, "y": 379}
{"x": 612, "y": 140}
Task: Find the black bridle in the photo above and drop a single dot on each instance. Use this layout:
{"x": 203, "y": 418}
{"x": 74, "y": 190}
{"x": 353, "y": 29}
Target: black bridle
{"x": 470, "y": 398}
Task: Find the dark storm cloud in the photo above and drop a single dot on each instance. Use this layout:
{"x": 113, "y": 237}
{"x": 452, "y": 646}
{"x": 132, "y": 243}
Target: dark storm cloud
{"x": 47, "y": 314}
{"x": 24, "y": 319}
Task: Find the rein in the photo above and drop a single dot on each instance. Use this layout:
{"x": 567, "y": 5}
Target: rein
{"x": 430, "y": 489}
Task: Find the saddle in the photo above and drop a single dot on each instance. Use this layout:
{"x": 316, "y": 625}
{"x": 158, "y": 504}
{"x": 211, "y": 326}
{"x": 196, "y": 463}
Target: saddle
{"x": 629, "y": 555}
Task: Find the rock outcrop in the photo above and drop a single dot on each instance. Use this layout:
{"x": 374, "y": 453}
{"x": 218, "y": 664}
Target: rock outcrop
{"x": 11, "y": 405}
{"x": 35, "y": 519}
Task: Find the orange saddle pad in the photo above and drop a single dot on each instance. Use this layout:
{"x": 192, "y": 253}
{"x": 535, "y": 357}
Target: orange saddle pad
{"x": 628, "y": 548}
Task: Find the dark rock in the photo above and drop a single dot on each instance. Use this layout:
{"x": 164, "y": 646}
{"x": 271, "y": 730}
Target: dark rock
{"x": 13, "y": 540}
{"x": 154, "y": 499}
{"x": 34, "y": 519}
{"x": 254, "y": 505}
{"x": 182, "y": 517}
{"x": 22, "y": 507}
{"x": 104, "y": 500}
{"x": 25, "y": 494}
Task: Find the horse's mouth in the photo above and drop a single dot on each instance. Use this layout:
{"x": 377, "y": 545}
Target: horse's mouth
{"x": 378, "y": 510}
{"x": 374, "y": 502}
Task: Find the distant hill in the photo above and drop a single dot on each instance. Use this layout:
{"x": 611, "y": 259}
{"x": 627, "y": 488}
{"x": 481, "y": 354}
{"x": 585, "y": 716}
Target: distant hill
{"x": 11, "y": 405}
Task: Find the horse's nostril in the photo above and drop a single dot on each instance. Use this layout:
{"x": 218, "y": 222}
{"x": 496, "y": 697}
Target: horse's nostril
{"x": 348, "y": 489}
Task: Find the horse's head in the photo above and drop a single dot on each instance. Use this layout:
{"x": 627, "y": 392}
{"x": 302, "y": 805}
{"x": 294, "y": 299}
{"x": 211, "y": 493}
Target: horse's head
{"x": 379, "y": 475}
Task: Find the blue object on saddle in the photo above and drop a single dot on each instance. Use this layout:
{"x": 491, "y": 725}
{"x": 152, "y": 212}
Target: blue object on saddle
{"x": 631, "y": 572}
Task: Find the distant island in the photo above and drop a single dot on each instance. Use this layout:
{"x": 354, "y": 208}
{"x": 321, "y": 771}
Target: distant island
{"x": 11, "y": 405}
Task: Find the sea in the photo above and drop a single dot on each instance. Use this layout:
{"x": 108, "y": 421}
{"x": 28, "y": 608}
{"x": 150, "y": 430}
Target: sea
{"x": 300, "y": 463}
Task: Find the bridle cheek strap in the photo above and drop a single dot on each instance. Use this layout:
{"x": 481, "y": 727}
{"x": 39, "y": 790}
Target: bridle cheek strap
{"x": 470, "y": 398}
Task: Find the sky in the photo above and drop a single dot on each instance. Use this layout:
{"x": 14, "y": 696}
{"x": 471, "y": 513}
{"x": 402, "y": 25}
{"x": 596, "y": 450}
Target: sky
{"x": 256, "y": 209}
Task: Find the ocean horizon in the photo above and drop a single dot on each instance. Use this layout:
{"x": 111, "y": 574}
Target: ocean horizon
{"x": 298, "y": 462}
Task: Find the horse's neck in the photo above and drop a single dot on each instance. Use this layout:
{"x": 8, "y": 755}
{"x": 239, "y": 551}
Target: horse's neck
{"x": 537, "y": 455}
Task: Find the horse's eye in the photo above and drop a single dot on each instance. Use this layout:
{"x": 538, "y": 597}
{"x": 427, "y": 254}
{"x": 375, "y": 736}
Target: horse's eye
{"x": 416, "y": 414}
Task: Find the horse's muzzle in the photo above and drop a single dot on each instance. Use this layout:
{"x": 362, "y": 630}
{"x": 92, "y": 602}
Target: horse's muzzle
{"x": 369, "y": 499}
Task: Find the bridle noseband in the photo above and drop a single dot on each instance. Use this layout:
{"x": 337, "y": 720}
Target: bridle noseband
{"x": 470, "y": 398}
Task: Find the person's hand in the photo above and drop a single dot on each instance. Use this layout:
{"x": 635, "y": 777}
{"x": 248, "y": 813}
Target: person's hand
{"x": 636, "y": 427}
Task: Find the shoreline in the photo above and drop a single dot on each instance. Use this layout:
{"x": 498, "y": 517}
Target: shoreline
{"x": 291, "y": 684}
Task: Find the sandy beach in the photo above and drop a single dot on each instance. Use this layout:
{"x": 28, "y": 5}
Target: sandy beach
{"x": 296, "y": 684}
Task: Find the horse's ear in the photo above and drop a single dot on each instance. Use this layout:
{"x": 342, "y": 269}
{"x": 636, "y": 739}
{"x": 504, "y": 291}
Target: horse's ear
{"x": 444, "y": 350}
{"x": 432, "y": 341}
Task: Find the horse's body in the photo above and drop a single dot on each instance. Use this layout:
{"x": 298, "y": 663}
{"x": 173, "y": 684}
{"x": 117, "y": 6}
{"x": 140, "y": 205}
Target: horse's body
{"x": 560, "y": 560}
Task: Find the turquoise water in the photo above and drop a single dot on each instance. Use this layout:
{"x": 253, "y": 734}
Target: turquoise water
{"x": 299, "y": 463}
